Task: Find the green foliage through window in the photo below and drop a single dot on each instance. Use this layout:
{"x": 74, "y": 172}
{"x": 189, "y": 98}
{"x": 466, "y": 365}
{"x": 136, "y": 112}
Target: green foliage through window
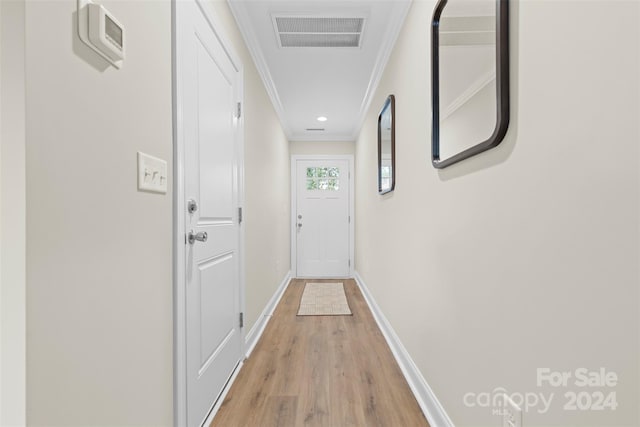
{"x": 322, "y": 178}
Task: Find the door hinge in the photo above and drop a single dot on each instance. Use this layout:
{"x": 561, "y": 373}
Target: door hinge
{"x": 349, "y": 263}
{"x": 239, "y": 215}
{"x": 349, "y": 219}
{"x": 239, "y": 113}
{"x": 242, "y": 320}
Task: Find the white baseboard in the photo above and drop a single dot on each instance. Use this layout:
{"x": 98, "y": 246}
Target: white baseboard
{"x": 431, "y": 407}
{"x": 257, "y": 329}
{"x": 225, "y": 390}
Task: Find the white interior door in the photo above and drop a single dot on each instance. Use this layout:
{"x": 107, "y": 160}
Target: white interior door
{"x": 322, "y": 218}
{"x": 209, "y": 89}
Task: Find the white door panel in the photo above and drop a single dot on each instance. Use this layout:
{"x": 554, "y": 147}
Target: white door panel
{"x": 217, "y": 319}
{"x": 322, "y": 214}
{"x": 208, "y": 85}
{"x": 216, "y": 98}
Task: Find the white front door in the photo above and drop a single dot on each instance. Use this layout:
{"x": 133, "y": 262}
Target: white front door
{"x": 322, "y": 218}
{"x": 208, "y": 90}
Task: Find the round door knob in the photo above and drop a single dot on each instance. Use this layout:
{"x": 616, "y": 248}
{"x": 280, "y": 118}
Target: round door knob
{"x": 200, "y": 237}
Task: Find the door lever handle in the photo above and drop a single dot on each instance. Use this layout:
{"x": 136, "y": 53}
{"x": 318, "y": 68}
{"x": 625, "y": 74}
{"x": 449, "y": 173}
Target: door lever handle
{"x": 200, "y": 237}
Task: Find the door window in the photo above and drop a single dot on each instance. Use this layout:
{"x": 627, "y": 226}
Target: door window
{"x": 323, "y": 178}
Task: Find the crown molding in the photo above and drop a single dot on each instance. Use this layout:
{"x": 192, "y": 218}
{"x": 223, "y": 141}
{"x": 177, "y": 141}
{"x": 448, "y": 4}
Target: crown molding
{"x": 469, "y": 93}
{"x": 239, "y": 11}
{"x": 396, "y": 22}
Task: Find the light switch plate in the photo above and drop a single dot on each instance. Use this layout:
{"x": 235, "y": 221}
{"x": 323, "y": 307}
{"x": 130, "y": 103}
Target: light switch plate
{"x": 152, "y": 174}
{"x": 511, "y": 413}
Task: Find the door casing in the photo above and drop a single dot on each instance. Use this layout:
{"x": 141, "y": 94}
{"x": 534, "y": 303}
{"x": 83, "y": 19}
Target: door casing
{"x": 294, "y": 204}
{"x": 179, "y": 215}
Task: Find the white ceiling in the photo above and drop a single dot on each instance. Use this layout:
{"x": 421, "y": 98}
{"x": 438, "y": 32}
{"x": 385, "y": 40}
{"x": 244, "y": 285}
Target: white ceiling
{"x": 307, "y": 82}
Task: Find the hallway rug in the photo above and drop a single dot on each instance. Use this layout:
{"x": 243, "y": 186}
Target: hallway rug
{"x": 324, "y": 299}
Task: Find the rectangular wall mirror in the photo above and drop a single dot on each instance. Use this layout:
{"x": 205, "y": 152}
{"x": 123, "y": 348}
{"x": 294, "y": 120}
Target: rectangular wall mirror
{"x": 387, "y": 146}
{"x": 470, "y": 78}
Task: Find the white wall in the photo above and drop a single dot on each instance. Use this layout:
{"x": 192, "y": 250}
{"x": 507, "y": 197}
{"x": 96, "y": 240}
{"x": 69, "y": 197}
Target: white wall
{"x": 99, "y": 290}
{"x": 526, "y": 256}
{"x": 99, "y": 257}
{"x": 12, "y": 215}
{"x": 322, "y": 147}
{"x": 267, "y": 205}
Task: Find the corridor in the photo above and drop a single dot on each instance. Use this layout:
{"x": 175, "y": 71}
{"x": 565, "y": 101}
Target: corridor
{"x": 324, "y": 371}
{"x": 474, "y": 181}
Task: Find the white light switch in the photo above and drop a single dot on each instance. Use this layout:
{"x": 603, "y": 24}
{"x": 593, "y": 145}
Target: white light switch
{"x": 152, "y": 174}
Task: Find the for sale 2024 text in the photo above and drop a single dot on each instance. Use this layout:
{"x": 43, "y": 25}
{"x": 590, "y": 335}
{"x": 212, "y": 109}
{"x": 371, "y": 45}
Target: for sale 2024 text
{"x": 595, "y": 386}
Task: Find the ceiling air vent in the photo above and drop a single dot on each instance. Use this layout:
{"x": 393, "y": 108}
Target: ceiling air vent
{"x": 305, "y": 31}
{"x": 315, "y": 129}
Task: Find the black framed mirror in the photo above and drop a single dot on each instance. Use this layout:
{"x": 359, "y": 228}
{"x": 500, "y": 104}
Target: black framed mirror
{"x": 469, "y": 78}
{"x": 387, "y": 146}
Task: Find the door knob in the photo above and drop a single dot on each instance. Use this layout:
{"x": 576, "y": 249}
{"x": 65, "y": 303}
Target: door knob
{"x": 200, "y": 237}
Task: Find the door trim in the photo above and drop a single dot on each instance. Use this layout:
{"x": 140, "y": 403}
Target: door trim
{"x": 294, "y": 203}
{"x": 13, "y": 215}
{"x": 179, "y": 209}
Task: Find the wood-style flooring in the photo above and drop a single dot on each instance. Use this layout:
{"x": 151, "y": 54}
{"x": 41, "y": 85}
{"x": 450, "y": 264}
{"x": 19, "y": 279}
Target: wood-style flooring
{"x": 320, "y": 371}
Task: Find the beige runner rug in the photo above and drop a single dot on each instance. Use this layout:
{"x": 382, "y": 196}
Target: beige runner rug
{"x": 324, "y": 299}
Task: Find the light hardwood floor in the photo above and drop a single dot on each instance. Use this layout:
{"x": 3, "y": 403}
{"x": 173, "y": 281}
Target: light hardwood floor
{"x": 320, "y": 371}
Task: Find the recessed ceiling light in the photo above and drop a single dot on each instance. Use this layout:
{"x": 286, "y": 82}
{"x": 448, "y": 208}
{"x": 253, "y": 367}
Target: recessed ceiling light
{"x": 322, "y": 119}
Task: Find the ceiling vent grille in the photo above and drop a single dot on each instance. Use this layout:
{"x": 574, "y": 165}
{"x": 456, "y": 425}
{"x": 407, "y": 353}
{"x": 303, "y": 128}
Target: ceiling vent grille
{"x": 304, "y": 31}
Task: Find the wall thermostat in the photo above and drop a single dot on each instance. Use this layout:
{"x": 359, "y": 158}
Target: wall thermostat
{"x": 101, "y": 31}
